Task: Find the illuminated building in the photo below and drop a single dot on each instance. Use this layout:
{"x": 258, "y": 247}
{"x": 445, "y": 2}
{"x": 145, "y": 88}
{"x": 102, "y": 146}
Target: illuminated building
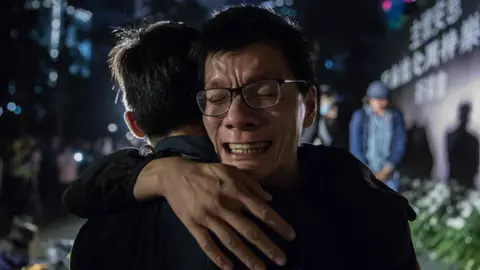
{"x": 53, "y": 50}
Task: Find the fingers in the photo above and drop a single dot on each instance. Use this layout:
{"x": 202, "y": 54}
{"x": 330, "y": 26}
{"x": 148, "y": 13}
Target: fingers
{"x": 234, "y": 175}
{"x": 233, "y": 242}
{"x": 253, "y": 204}
{"x": 254, "y": 235}
{"x": 268, "y": 216}
{"x": 208, "y": 246}
{"x": 255, "y": 187}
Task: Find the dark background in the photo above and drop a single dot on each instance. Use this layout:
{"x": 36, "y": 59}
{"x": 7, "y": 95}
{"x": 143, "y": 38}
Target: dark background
{"x": 82, "y": 103}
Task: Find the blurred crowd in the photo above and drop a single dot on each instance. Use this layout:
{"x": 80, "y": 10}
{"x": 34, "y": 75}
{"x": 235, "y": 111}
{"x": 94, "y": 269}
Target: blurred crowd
{"x": 34, "y": 172}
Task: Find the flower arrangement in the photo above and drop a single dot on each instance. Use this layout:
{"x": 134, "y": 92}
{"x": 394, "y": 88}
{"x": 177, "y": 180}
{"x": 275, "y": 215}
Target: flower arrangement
{"x": 447, "y": 227}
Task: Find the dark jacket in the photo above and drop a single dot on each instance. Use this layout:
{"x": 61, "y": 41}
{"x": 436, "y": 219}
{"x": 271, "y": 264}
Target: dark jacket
{"x": 344, "y": 219}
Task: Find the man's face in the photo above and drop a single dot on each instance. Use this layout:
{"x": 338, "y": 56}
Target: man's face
{"x": 378, "y": 104}
{"x": 328, "y": 107}
{"x": 259, "y": 141}
{"x": 332, "y": 113}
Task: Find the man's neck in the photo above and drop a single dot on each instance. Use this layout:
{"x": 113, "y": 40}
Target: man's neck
{"x": 190, "y": 130}
{"x": 379, "y": 112}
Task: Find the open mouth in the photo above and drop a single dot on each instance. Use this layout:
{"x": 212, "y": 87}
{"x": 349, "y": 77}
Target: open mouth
{"x": 247, "y": 148}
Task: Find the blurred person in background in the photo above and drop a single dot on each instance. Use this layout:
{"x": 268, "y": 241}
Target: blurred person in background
{"x": 83, "y": 154}
{"x": 103, "y": 146}
{"x": 4, "y": 212}
{"x": 3, "y": 150}
{"x": 88, "y": 153}
{"x": 15, "y": 248}
{"x": 66, "y": 170}
{"x": 49, "y": 171}
{"x": 67, "y": 165}
{"x": 21, "y": 182}
{"x": 378, "y": 135}
{"x": 325, "y": 130}
{"x": 108, "y": 146}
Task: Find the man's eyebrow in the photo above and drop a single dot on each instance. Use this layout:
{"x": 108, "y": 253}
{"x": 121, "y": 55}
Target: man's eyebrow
{"x": 258, "y": 77}
{"x": 216, "y": 83}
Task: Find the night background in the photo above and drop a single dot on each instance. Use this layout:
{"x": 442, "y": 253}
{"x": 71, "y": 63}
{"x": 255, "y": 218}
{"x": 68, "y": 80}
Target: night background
{"x": 58, "y": 97}
{"x": 56, "y": 75}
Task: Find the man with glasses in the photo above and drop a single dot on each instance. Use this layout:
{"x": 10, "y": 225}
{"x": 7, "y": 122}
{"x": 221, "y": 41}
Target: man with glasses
{"x": 254, "y": 109}
{"x": 151, "y": 66}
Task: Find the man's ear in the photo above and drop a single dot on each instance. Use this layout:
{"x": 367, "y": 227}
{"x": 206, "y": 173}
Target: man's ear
{"x": 133, "y": 126}
{"x": 311, "y": 106}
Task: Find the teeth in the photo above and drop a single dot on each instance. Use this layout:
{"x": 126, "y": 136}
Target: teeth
{"x": 246, "y": 151}
{"x": 246, "y": 146}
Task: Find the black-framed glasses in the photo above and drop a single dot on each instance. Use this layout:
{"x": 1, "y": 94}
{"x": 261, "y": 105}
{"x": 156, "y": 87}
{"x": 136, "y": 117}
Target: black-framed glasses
{"x": 258, "y": 95}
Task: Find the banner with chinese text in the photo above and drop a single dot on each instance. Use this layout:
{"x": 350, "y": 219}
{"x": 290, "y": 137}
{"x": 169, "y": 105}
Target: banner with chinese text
{"x": 432, "y": 67}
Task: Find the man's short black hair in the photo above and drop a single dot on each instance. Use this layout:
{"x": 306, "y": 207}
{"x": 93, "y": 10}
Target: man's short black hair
{"x": 237, "y": 27}
{"x": 152, "y": 67}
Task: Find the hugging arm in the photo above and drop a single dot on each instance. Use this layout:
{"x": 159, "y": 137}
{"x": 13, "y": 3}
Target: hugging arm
{"x": 195, "y": 191}
{"x": 107, "y": 185}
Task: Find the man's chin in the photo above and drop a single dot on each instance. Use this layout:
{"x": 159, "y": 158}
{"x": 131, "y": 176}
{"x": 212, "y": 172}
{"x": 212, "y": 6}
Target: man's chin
{"x": 254, "y": 170}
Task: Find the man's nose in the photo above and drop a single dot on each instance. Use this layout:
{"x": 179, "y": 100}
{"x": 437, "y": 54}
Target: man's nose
{"x": 241, "y": 116}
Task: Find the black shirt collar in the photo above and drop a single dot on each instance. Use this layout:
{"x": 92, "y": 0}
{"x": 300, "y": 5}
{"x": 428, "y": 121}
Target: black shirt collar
{"x": 196, "y": 147}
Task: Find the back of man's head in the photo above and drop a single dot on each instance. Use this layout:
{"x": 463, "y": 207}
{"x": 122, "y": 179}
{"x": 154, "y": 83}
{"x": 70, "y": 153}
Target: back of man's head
{"x": 151, "y": 65}
{"x": 248, "y": 25}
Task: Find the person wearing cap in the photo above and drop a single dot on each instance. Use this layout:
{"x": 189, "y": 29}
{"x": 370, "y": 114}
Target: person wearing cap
{"x": 377, "y": 135}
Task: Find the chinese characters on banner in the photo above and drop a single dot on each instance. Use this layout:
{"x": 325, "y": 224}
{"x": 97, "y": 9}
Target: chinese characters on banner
{"x": 432, "y": 67}
{"x": 438, "y": 36}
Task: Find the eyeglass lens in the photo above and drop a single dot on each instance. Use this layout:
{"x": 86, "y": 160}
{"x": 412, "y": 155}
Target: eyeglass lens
{"x": 258, "y": 95}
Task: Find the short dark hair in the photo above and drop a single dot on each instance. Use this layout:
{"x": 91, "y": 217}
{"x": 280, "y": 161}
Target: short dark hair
{"x": 236, "y": 27}
{"x": 151, "y": 66}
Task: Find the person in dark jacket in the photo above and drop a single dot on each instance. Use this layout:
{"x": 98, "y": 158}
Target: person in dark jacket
{"x": 326, "y": 129}
{"x": 151, "y": 66}
{"x": 378, "y": 135}
{"x": 339, "y": 224}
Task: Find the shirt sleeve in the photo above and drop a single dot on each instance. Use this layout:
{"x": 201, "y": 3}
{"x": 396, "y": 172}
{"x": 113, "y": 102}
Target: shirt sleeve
{"x": 106, "y": 186}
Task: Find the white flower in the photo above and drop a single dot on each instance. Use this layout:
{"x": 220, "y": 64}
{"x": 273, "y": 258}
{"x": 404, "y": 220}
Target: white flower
{"x": 456, "y": 223}
{"x": 433, "y": 256}
{"x": 416, "y": 183}
{"x": 424, "y": 202}
{"x": 468, "y": 239}
{"x": 432, "y": 209}
{"x": 466, "y": 209}
{"x": 442, "y": 189}
{"x": 474, "y": 199}
{"x": 470, "y": 264}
